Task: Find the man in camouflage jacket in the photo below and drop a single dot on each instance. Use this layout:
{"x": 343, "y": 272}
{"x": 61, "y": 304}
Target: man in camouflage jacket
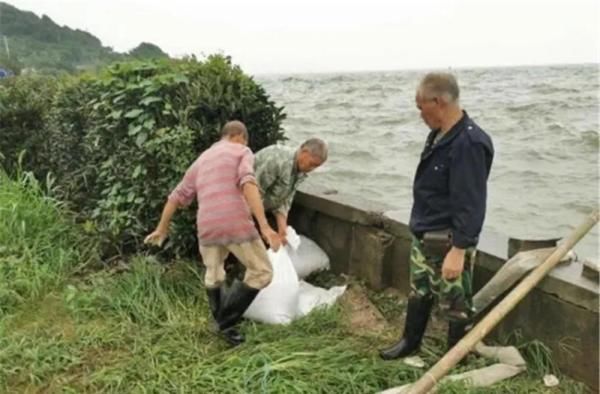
{"x": 279, "y": 170}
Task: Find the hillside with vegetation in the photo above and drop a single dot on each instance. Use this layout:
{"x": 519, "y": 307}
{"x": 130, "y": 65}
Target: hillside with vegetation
{"x": 30, "y": 42}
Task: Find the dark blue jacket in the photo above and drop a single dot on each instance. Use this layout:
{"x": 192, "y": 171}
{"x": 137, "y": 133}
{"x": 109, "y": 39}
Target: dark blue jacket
{"x": 450, "y": 186}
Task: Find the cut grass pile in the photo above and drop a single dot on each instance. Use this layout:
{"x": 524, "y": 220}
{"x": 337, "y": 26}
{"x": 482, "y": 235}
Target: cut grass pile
{"x": 67, "y": 328}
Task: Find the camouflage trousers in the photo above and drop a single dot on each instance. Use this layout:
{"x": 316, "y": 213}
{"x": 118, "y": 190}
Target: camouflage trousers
{"x": 454, "y": 296}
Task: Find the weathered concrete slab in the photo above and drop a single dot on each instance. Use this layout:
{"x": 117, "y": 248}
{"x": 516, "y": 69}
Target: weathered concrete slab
{"x": 397, "y": 265}
{"x": 368, "y": 255}
{"x": 570, "y": 332}
{"x": 516, "y": 245}
{"x": 334, "y": 236}
{"x": 348, "y": 208}
{"x": 336, "y": 239}
{"x": 591, "y": 270}
{"x": 565, "y": 281}
{"x": 393, "y": 222}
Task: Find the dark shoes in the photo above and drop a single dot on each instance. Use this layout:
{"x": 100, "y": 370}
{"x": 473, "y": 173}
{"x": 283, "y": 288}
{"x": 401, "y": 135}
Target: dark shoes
{"x": 417, "y": 316}
{"x": 228, "y": 309}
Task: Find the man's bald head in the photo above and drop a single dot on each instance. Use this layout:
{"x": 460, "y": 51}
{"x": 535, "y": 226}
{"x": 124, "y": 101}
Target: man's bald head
{"x": 234, "y": 128}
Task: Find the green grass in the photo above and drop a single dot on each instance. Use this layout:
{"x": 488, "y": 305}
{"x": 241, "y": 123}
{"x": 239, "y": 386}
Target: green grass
{"x": 39, "y": 246}
{"x": 68, "y": 328}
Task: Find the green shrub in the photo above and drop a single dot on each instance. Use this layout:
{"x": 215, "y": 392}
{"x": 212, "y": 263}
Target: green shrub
{"x": 24, "y": 106}
{"x": 119, "y": 141}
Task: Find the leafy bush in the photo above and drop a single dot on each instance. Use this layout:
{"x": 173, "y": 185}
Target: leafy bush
{"x": 119, "y": 141}
{"x": 25, "y": 103}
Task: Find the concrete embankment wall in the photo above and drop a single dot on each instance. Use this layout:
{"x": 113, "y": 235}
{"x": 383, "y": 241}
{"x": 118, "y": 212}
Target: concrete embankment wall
{"x": 369, "y": 241}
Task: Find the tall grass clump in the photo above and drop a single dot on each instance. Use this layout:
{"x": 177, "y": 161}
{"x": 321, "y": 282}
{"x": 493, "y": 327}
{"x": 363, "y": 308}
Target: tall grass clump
{"x": 40, "y": 246}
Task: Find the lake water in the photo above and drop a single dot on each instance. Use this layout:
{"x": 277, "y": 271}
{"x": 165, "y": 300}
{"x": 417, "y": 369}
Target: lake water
{"x": 543, "y": 120}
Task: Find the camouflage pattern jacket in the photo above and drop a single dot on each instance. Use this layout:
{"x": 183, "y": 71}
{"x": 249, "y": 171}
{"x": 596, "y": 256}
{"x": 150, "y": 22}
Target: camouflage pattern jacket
{"x": 278, "y": 177}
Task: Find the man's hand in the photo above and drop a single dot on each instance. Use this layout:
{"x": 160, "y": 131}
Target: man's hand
{"x": 271, "y": 237}
{"x": 453, "y": 263}
{"x": 157, "y": 237}
{"x": 252, "y": 196}
{"x": 281, "y": 226}
{"x": 162, "y": 230}
{"x": 282, "y": 235}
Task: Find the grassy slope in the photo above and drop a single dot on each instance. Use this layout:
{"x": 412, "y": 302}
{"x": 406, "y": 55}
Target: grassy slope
{"x": 146, "y": 329}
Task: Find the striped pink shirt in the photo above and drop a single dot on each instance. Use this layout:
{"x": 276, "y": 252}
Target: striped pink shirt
{"x": 216, "y": 178}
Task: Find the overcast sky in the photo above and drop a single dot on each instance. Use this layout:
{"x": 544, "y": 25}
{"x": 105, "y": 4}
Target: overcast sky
{"x": 282, "y": 36}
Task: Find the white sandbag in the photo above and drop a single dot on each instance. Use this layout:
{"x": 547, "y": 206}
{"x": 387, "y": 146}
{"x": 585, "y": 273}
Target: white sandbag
{"x": 278, "y": 302}
{"x": 286, "y": 298}
{"x": 308, "y": 257}
{"x": 293, "y": 239}
{"x": 312, "y": 297}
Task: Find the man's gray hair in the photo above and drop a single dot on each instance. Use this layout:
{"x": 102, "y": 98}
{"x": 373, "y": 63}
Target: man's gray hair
{"x": 233, "y": 128}
{"x": 316, "y": 147}
{"x": 439, "y": 84}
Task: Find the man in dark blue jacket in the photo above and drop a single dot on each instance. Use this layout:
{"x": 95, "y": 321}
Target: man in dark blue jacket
{"x": 449, "y": 192}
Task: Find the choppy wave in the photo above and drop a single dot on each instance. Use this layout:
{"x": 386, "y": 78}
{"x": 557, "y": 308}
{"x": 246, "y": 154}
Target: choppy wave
{"x": 546, "y": 88}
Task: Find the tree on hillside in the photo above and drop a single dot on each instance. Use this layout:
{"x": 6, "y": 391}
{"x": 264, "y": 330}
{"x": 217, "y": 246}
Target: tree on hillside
{"x": 41, "y": 44}
{"x": 147, "y": 50}
{"x": 11, "y": 64}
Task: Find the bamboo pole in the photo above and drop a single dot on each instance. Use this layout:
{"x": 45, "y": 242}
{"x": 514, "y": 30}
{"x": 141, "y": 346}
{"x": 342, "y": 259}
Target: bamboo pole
{"x": 466, "y": 344}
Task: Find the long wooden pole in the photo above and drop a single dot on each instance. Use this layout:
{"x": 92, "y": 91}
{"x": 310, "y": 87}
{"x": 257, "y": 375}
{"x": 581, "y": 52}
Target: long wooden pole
{"x": 477, "y": 333}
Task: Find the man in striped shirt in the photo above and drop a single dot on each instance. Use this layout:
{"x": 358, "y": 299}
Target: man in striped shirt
{"x": 222, "y": 179}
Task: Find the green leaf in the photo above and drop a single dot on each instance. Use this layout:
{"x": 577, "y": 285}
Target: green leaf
{"x": 149, "y": 124}
{"x": 119, "y": 98}
{"x": 134, "y": 113}
{"x": 137, "y": 171}
{"x": 134, "y": 129}
{"x": 106, "y": 164}
{"x": 141, "y": 138}
{"x": 116, "y": 114}
{"x": 150, "y": 100}
{"x": 181, "y": 79}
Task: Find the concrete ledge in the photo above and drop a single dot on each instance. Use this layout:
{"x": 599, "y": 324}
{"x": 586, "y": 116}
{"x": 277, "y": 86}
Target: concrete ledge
{"x": 348, "y": 208}
{"x": 371, "y": 241}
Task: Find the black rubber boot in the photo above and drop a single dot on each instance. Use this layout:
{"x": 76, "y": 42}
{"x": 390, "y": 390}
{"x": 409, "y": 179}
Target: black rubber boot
{"x": 232, "y": 336}
{"x": 417, "y": 316}
{"x": 238, "y": 300}
{"x": 456, "y": 330}
{"x": 214, "y": 300}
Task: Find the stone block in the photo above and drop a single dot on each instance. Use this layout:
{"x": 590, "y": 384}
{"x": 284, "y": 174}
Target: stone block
{"x": 302, "y": 218}
{"x": 568, "y": 329}
{"x": 369, "y": 252}
{"x": 520, "y": 245}
{"x": 590, "y": 270}
{"x": 335, "y": 238}
{"x": 397, "y": 272}
{"x": 570, "y": 332}
{"x": 340, "y": 206}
